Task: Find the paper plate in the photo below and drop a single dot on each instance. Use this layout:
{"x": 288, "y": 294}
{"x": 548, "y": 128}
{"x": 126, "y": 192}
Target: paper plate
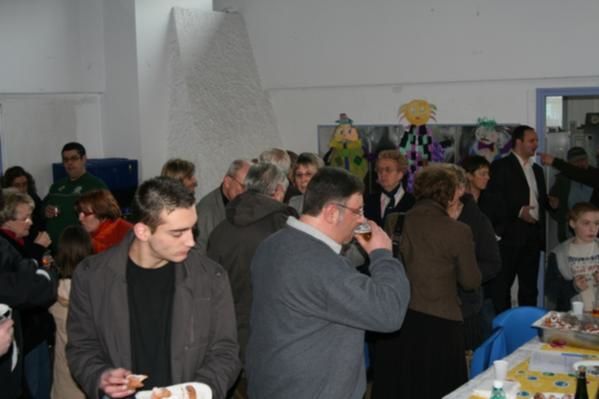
{"x": 178, "y": 391}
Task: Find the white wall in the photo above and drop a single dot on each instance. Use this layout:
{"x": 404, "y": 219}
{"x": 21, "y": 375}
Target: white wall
{"x": 347, "y": 42}
{"x": 218, "y": 110}
{"x": 470, "y": 58}
{"x": 152, "y": 23}
{"x": 51, "y": 46}
{"x": 33, "y": 129}
{"x": 120, "y": 100}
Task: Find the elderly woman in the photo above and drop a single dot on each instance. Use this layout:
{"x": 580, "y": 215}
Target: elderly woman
{"x": 100, "y": 216}
{"x": 306, "y": 166}
{"x": 18, "y": 178}
{"x": 15, "y": 222}
{"x": 438, "y": 253}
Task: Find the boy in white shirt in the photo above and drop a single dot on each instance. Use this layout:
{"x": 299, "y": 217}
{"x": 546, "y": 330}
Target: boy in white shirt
{"x": 573, "y": 270}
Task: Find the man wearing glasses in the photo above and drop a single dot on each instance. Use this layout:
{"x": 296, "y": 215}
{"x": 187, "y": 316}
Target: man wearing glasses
{"x": 211, "y": 208}
{"x": 60, "y": 201}
{"x": 311, "y": 306}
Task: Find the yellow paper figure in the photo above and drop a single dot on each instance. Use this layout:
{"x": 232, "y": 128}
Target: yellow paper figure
{"x": 346, "y": 148}
{"x": 417, "y": 143}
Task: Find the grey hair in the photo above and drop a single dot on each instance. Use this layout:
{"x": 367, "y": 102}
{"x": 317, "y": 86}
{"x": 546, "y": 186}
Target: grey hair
{"x": 13, "y": 198}
{"x": 236, "y": 166}
{"x": 264, "y": 178}
{"x": 278, "y": 157}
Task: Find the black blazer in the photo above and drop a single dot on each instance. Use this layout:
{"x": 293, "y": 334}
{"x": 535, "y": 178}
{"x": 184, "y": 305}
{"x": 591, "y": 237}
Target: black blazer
{"x": 509, "y": 183}
{"x": 372, "y": 206}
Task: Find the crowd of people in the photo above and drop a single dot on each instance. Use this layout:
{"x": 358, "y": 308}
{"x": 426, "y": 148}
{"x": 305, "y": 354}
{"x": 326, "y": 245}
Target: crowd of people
{"x": 263, "y": 289}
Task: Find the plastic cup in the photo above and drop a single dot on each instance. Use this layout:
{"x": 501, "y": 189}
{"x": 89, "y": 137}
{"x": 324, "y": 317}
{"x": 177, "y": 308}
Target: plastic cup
{"x": 577, "y": 308}
{"x": 364, "y": 230}
{"x": 500, "y": 367}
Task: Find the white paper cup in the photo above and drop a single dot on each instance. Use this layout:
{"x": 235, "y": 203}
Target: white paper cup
{"x": 577, "y": 308}
{"x": 500, "y": 367}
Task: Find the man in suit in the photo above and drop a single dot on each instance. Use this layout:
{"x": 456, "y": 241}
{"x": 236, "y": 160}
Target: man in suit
{"x": 390, "y": 169}
{"x": 520, "y": 184}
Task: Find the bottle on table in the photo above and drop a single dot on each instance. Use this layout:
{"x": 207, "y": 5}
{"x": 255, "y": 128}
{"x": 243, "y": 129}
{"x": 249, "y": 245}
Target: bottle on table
{"x": 497, "y": 392}
{"x": 581, "y": 384}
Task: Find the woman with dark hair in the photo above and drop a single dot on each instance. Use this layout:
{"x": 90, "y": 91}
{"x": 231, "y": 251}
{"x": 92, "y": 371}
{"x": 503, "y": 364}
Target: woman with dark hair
{"x": 438, "y": 254}
{"x": 100, "y": 216}
{"x": 74, "y": 245}
{"x": 478, "y": 171}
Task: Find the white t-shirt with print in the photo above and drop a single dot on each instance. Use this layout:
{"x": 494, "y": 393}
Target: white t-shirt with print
{"x": 583, "y": 260}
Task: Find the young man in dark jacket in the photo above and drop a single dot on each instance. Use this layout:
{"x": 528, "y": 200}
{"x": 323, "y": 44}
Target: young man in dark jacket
{"x": 153, "y": 305}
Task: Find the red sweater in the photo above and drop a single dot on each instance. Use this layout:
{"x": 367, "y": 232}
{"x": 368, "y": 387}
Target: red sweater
{"x": 110, "y": 233}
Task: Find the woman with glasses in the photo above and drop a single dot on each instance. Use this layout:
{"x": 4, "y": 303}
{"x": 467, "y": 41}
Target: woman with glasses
{"x": 38, "y": 326}
{"x": 100, "y": 216}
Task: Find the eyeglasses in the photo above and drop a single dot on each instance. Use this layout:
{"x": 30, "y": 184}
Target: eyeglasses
{"x": 24, "y": 220}
{"x": 72, "y": 158}
{"x": 386, "y": 170}
{"x": 355, "y": 211}
{"x": 85, "y": 213}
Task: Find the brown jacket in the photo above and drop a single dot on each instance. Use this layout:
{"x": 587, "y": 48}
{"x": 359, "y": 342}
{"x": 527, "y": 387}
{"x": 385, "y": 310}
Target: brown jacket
{"x": 438, "y": 254}
{"x": 203, "y": 335}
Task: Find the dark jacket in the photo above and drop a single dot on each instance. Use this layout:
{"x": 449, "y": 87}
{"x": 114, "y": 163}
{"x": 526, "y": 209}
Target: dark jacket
{"x": 509, "y": 183}
{"x": 589, "y": 176}
{"x": 561, "y": 190}
{"x": 250, "y": 218}
{"x": 372, "y": 206}
{"x": 486, "y": 250}
{"x": 38, "y": 324}
{"x": 203, "y": 338}
{"x": 438, "y": 254}
{"x": 20, "y": 288}
{"x": 491, "y": 205}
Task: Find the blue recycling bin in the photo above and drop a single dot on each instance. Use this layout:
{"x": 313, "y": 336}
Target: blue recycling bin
{"x": 119, "y": 174}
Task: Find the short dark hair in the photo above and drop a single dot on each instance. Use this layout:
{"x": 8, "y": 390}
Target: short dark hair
{"x": 475, "y": 162}
{"x": 436, "y": 183}
{"x": 158, "y": 194}
{"x": 330, "y": 185}
{"x": 74, "y": 245}
{"x": 102, "y": 203}
{"x": 73, "y": 145}
{"x": 518, "y": 133}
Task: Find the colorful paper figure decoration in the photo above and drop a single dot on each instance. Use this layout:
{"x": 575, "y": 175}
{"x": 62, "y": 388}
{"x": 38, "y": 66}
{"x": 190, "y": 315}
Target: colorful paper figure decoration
{"x": 346, "y": 148}
{"x": 417, "y": 143}
{"x": 490, "y": 141}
